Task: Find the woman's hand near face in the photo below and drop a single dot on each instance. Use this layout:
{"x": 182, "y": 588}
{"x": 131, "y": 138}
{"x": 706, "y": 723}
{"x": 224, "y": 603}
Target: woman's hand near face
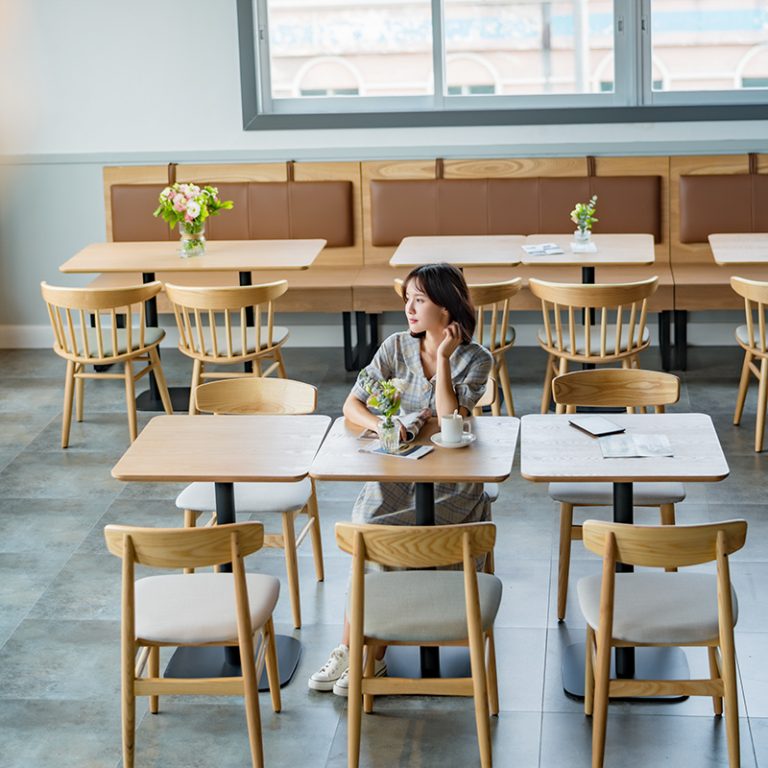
{"x": 450, "y": 342}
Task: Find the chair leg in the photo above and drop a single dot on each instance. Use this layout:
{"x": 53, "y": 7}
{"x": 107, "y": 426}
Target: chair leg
{"x": 564, "y": 558}
{"x": 561, "y": 370}
{"x": 600, "y": 707}
{"x": 190, "y": 521}
{"x": 369, "y": 654}
{"x": 589, "y": 673}
{"x": 492, "y": 677}
{"x": 354, "y": 700}
{"x": 79, "y": 395}
{"x": 480, "y": 688}
{"x": 762, "y": 402}
{"x": 66, "y": 414}
{"x": 315, "y": 533}
{"x": 273, "y": 674}
{"x": 292, "y": 566}
{"x": 128, "y": 701}
{"x": 162, "y": 385}
{"x": 197, "y": 369}
{"x": 730, "y": 694}
{"x": 546, "y": 395}
{"x": 714, "y": 674}
{"x": 506, "y": 386}
{"x": 130, "y": 400}
{"x": 251, "y": 695}
{"x": 280, "y": 363}
{"x": 153, "y": 669}
{"x": 743, "y": 387}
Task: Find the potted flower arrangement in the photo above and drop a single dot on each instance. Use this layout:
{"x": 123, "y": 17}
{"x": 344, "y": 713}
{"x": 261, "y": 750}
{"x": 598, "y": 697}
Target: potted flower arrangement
{"x": 385, "y": 397}
{"x": 583, "y": 215}
{"x": 189, "y": 206}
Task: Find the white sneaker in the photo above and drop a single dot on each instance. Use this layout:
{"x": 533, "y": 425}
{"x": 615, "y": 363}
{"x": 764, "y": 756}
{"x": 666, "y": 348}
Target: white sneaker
{"x": 341, "y": 686}
{"x": 333, "y": 669}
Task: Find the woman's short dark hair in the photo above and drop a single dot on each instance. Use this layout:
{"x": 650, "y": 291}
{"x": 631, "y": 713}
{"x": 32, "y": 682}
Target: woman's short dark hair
{"x": 446, "y": 287}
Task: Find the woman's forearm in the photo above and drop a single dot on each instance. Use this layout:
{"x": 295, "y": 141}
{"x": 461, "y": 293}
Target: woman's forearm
{"x": 357, "y": 412}
{"x": 446, "y": 401}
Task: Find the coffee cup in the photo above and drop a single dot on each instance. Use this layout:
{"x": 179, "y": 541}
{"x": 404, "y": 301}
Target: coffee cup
{"x": 453, "y": 428}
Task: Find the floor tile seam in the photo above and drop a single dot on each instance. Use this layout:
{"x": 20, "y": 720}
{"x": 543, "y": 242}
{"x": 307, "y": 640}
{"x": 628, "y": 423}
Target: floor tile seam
{"x": 342, "y": 714}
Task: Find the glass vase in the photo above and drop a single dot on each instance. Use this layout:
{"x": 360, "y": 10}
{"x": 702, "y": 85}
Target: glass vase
{"x": 192, "y": 239}
{"x": 389, "y": 436}
{"x": 582, "y": 236}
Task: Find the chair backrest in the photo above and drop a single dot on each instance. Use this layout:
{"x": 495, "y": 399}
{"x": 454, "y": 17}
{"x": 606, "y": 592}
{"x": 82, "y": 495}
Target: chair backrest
{"x": 184, "y": 547}
{"x": 621, "y": 310}
{"x": 664, "y": 546}
{"x": 491, "y": 301}
{"x": 254, "y": 395}
{"x": 616, "y": 388}
{"x": 417, "y": 546}
{"x": 755, "y": 295}
{"x": 214, "y": 323}
{"x": 86, "y": 321}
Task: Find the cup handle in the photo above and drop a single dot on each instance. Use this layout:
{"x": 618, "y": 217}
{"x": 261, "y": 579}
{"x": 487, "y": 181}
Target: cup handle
{"x": 466, "y": 427}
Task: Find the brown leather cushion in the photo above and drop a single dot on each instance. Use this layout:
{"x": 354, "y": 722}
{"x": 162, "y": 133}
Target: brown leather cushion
{"x": 404, "y": 208}
{"x": 724, "y": 203}
{"x": 262, "y": 210}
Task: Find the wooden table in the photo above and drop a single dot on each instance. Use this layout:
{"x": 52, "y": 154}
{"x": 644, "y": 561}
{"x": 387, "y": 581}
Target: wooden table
{"x": 243, "y": 256}
{"x": 735, "y": 249}
{"x": 459, "y": 250}
{"x": 224, "y": 450}
{"x": 487, "y": 460}
{"x": 611, "y": 250}
{"x": 553, "y": 451}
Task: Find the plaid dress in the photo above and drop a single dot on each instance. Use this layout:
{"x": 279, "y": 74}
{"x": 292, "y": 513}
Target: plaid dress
{"x": 394, "y": 503}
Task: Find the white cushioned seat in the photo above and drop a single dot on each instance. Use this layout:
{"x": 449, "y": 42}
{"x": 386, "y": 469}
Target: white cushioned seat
{"x": 151, "y": 335}
{"x": 279, "y": 334}
{"x": 594, "y": 339}
{"x": 249, "y": 497}
{"x": 199, "y": 607}
{"x": 509, "y": 336}
{"x": 601, "y": 494}
{"x": 422, "y": 606}
{"x": 491, "y": 491}
{"x": 674, "y": 608}
{"x": 742, "y": 334}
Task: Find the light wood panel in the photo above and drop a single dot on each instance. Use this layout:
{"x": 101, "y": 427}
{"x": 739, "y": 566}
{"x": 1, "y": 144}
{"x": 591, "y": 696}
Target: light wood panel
{"x": 231, "y": 449}
{"x": 489, "y": 459}
{"x": 553, "y": 451}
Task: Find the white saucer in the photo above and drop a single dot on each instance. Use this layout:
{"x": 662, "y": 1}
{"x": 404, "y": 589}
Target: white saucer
{"x": 465, "y": 441}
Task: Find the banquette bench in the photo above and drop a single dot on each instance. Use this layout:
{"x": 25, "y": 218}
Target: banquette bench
{"x": 364, "y": 209}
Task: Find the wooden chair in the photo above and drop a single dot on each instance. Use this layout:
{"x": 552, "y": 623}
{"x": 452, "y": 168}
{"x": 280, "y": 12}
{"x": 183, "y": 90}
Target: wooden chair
{"x": 223, "y": 326}
{"x": 420, "y": 608}
{"x": 90, "y": 329}
{"x": 661, "y": 609}
{"x": 610, "y": 388}
{"x": 752, "y": 339}
{"x": 495, "y": 331}
{"x": 618, "y": 336}
{"x": 204, "y": 609}
{"x": 252, "y": 395}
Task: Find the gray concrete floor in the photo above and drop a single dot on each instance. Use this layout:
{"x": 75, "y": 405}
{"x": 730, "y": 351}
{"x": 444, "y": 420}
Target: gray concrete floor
{"x": 59, "y": 602}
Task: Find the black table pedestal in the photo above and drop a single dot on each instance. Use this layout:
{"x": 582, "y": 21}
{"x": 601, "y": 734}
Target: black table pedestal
{"x": 220, "y": 661}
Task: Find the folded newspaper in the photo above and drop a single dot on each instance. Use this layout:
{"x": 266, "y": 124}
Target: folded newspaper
{"x": 542, "y": 249}
{"x": 626, "y": 446}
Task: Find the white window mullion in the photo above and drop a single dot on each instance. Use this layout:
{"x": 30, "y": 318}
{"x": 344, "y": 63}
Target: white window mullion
{"x": 644, "y": 60}
{"x": 626, "y": 52}
{"x": 438, "y": 54}
{"x": 264, "y": 70}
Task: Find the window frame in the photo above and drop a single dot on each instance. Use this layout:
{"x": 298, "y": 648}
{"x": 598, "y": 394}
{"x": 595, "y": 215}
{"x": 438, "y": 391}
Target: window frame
{"x": 633, "y": 99}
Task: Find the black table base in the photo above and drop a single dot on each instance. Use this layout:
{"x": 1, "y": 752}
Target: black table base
{"x": 413, "y": 662}
{"x": 150, "y": 399}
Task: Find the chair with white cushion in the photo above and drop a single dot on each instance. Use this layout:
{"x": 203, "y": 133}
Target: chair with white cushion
{"x": 253, "y": 395}
{"x": 618, "y": 335}
{"x": 228, "y": 326}
{"x": 204, "y": 609}
{"x": 752, "y": 338}
{"x": 610, "y": 388}
{"x": 90, "y": 329}
{"x": 661, "y": 609}
{"x": 421, "y": 607}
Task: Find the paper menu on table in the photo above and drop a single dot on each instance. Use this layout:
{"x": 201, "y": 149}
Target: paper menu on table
{"x": 632, "y": 446}
{"x": 542, "y": 249}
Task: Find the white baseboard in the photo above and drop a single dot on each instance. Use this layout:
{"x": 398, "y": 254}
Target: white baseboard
{"x": 700, "y": 334}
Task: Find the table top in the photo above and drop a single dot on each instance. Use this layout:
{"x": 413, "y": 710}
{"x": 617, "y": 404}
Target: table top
{"x": 224, "y": 449}
{"x": 611, "y": 249}
{"x": 460, "y": 250}
{"x": 489, "y": 459}
{"x": 747, "y": 248}
{"x": 220, "y": 255}
{"x": 553, "y": 451}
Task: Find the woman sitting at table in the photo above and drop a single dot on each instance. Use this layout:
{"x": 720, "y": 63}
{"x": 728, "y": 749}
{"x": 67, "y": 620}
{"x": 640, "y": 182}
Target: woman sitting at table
{"x": 444, "y": 371}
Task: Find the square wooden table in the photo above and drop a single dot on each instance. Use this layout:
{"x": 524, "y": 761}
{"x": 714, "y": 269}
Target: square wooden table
{"x": 459, "y": 250}
{"x": 735, "y": 249}
{"x": 487, "y": 460}
{"x": 551, "y": 450}
{"x": 242, "y": 256}
{"x": 611, "y": 250}
{"x": 224, "y": 450}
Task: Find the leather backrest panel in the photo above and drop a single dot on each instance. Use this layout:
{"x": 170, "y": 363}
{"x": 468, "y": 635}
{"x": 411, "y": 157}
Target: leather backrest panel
{"x": 132, "y": 208}
{"x": 405, "y": 207}
{"x": 715, "y": 204}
